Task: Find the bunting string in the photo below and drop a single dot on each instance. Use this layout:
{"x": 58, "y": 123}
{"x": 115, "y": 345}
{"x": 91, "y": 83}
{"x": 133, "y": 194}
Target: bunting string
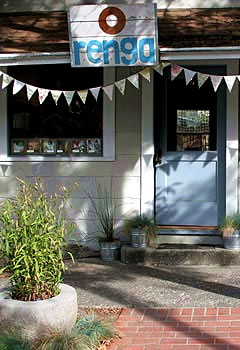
{"x": 133, "y": 79}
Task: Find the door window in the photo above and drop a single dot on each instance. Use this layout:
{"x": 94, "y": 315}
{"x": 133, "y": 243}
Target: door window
{"x": 191, "y": 115}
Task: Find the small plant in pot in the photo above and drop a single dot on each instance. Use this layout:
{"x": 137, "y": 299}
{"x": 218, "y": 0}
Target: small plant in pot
{"x": 105, "y": 207}
{"x": 230, "y": 231}
{"x": 33, "y": 235}
{"x": 142, "y": 229}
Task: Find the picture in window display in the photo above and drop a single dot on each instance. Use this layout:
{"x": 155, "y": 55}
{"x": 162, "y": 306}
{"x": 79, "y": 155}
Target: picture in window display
{"x": 62, "y": 146}
{"x": 18, "y": 146}
{"x": 33, "y": 146}
{"x": 78, "y": 146}
{"x": 49, "y": 146}
{"x": 94, "y": 146}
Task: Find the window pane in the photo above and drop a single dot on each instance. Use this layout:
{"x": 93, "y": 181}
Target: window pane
{"x": 191, "y": 115}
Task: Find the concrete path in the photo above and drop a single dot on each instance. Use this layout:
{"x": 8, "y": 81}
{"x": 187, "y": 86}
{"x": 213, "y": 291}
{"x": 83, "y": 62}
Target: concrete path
{"x": 178, "y": 329}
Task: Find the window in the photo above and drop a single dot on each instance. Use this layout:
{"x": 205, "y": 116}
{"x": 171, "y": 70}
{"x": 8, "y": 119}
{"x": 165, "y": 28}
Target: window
{"x": 51, "y": 129}
{"x": 191, "y": 115}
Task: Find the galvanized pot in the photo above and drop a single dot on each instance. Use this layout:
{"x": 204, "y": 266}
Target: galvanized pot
{"x": 110, "y": 251}
{"x": 232, "y": 241}
{"x": 138, "y": 239}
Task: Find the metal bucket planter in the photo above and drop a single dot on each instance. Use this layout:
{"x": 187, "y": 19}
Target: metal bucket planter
{"x": 138, "y": 239}
{"x": 110, "y": 251}
{"x": 232, "y": 241}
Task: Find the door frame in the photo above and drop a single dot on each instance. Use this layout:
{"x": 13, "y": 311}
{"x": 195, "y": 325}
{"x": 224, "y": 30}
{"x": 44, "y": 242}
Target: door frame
{"x": 147, "y": 138}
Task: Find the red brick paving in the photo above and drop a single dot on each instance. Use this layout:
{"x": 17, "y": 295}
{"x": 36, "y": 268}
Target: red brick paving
{"x": 178, "y": 329}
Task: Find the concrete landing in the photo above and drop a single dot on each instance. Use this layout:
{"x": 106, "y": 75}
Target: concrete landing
{"x": 170, "y": 254}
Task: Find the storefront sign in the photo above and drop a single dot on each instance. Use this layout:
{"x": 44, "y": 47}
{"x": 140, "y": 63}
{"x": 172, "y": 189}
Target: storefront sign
{"x": 113, "y": 35}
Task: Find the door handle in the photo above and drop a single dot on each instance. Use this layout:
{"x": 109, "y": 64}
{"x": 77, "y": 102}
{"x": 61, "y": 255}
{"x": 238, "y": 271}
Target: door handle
{"x": 157, "y": 158}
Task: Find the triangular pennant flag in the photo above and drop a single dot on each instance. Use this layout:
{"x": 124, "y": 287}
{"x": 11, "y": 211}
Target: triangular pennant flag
{"x": 216, "y": 81}
{"x": 189, "y": 74}
{"x": 201, "y": 79}
{"x": 121, "y": 85}
{"x": 160, "y": 67}
{"x": 145, "y": 73}
{"x": 95, "y": 92}
{"x": 30, "y": 91}
{"x": 69, "y": 96}
{"x": 134, "y": 80}
{"x": 108, "y": 91}
{"x": 230, "y": 80}
{"x": 6, "y": 80}
{"x": 55, "y": 95}
{"x": 42, "y": 94}
{"x": 17, "y": 86}
{"x": 175, "y": 71}
{"x": 83, "y": 95}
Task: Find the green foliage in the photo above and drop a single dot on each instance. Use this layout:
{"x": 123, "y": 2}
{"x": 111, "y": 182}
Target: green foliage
{"x": 95, "y": 328}
{"x": 104, "y": 206}
{"x": 230, "y": 224}
{"x": 33, "y": 234}
{"x": 65, "y": 341}
{"x": 9, "y": 341}
{"x": 144, "y": 223}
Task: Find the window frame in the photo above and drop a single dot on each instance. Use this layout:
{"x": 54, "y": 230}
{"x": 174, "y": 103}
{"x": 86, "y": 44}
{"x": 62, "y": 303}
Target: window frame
{"x": 108, "y": 151}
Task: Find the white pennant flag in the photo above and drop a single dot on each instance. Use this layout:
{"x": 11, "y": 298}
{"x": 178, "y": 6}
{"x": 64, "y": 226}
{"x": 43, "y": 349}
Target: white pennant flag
{"x": 175, "y": 71}
{"x": 95, "y": 92}
{"x": 189, "y": 75}
{"x": 69, "y": 96}
{"x": 160, "y": 67}
{"x": 17, "y": 86}
{"x": 55, "y": 95}
{"x": 109, "y": 91}
{"x": 42, "y": 94}
{"x": 83, "y": 95}
{"x": 30, "y": 91}
{"x": 202, "y": 78}
{"x": 230, "y": 80}
{"x": 6, "y": 80}
{"x": 121, "y": 85}
{"x": 216, "y": 81}
{"x": 145, "y": 73}
{"x": 134, "y": 80}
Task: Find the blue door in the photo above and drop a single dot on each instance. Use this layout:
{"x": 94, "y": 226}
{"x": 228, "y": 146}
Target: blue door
{"x": 189, "y": 151}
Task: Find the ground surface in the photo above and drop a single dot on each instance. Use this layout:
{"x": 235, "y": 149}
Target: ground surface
{"x": 101, "y": 284}
{"x": 115, "y": 284}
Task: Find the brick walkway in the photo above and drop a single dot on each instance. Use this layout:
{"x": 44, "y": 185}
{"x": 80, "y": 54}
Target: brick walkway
{"x": 178, "y": 329}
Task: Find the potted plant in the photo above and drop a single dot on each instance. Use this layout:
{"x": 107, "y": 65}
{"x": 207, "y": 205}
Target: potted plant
{"x": 142, "y": 229}
{"x": 104, "y": 207}
{"x": 33, "y": 234}
{"x": 230, "y": 231}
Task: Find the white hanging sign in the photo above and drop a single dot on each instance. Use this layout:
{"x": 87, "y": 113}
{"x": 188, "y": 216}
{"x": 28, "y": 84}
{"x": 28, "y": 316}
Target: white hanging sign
{"x": 113, "y": 35}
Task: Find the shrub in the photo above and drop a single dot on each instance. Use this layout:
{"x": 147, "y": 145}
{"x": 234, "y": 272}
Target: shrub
{"x": 104, "y": 207}
{"x": 10, "y": 341}
{"x": 144, "y": 223}
{"x": 95, "y": 328}
{"x": 230, "y": 224}
{"x": 33, "y": 234}
{"x": 65, "y": 341}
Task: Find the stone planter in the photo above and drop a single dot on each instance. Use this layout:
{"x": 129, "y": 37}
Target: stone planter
{"x": 232, "y": 241}
{"x": 34, "y": 319}
{"x": 110, "y": 251}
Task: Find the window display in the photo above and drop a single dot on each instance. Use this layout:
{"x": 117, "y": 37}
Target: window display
{"x": 55, "y": 128}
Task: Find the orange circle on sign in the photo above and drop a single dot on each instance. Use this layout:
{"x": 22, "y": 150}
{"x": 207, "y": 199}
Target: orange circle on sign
{"x": 121, "y": 20}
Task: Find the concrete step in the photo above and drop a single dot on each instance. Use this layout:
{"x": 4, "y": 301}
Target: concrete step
{"x": 181, "y": 254}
